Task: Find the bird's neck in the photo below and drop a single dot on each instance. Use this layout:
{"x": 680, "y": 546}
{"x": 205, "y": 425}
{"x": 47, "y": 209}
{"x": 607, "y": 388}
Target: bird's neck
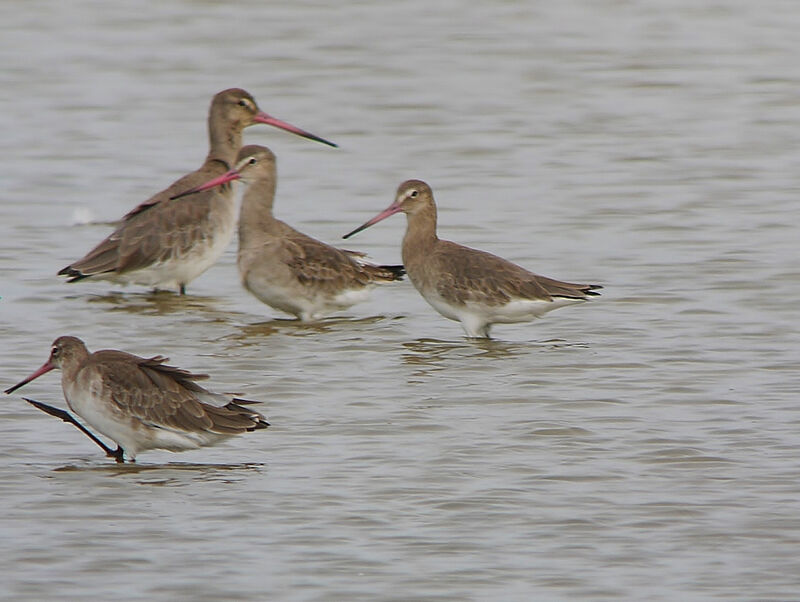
{"x": 256, "y": 213}
{"x": 225, "y": 140}
{"x": 421, "y": 230}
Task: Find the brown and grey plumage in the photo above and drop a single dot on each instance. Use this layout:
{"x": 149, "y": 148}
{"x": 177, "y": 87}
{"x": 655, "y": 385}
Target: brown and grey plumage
{"x": 166, "y": 244}
{"x": 473, "y": 287}
{"x": 287, "y": 269}
{"x": 143, "y": 403}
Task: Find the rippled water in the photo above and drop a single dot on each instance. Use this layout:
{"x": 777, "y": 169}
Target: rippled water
{"x": 643, "y": 446}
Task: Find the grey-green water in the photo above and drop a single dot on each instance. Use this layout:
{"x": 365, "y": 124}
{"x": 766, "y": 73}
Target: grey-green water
{"x": 643, "y": 446}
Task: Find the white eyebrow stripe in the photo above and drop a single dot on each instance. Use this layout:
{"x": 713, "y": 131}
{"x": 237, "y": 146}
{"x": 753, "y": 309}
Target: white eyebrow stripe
{"x": 243, "y": 162}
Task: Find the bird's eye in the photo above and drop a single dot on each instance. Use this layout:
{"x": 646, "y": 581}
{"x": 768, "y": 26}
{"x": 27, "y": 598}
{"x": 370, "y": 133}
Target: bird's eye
{"x": 54, "y": 352}
{"x": 252, "y": 161}
{"x": 243, "y": 103}
{"x": 414, "y": 194}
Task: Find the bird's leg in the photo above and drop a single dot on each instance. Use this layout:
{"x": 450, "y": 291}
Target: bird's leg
{"x": 118, "y": 455}
{"x": 183, "y": 289}
{"x": 67, "y": 417}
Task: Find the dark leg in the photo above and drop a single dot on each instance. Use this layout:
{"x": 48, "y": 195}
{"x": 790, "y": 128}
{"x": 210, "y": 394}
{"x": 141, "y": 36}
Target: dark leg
{"x": 118, "y": 454}
{"x": 183, "y": 289}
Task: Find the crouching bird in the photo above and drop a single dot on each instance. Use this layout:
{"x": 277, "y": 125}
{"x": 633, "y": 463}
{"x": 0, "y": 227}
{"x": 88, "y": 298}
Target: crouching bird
{"x": 140, "y": 403}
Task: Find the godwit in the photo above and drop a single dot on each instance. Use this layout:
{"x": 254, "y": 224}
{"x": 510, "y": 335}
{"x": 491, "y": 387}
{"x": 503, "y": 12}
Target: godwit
{"x": 470, "y": 286}
{"x": 141, "y": 403}
{"x": 285, "y": 268}
{"x": 167, "y": 244}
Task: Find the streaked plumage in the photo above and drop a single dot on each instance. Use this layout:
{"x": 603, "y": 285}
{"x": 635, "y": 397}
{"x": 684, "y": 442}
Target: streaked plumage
{"x": 282, "y": 267}
{"x": 143, "y": 403}
{"x": 467, "y": 285}
{"x": 167, "y": 244}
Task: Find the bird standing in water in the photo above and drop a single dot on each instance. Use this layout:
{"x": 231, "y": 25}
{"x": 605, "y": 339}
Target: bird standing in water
{"x": 166, "y": 244}
{"x": 284, "y": 268}
{"x": 470, "y": 286}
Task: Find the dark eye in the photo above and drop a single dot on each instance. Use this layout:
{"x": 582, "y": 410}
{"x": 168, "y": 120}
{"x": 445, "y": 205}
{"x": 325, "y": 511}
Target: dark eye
{"x": 252, "y": 161}
{"x": 54, "y": 352}
{"x": 414, "y": 194}
{"x": 243, "y": 103}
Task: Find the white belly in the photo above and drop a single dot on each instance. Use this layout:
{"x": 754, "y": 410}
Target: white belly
{"x": 306, "y": 303}
{"x": 477, "y": 318}
{"x": 208, "y": 240}
{"x": 181, "y": 269}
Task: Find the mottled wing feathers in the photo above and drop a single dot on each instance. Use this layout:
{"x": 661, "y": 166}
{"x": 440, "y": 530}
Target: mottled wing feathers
{"x": 317, "y": 264}
{"x": 468, "y": 275}
{"x": 163, "y": 234}
{"x": 154, "y": 231}
{"x": 165, "y": 396}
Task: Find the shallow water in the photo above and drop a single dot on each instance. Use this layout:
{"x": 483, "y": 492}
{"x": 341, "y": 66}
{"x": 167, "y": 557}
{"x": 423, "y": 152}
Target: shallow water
{"x": 642, "y": 446}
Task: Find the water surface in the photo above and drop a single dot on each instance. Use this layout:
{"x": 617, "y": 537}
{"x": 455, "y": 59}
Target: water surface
{"x": 642, "y": 446}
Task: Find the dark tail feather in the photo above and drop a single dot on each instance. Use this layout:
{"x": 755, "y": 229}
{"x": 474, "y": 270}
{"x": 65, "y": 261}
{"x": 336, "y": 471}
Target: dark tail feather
{"x": 566, "y": 290}
{"x": 244, "y": 402}
{"x": 237, "y": 405}
{"x": 397, "y": 271}
{"x": 74, "y": 275}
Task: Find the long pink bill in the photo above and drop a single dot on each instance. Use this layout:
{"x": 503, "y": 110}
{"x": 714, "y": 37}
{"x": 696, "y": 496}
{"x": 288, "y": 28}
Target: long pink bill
{"x": 46, "y": 367}
{"x": 390, "y": 210}
{"x": 228, "y": 176}
{"x": 262, "y": 117}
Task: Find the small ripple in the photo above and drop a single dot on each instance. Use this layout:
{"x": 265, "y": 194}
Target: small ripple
{"x": 586, "y": 478}
{"x": 681, "y": 455}
{"x": 561, "y": 431}
{"x": 138, "y": 468}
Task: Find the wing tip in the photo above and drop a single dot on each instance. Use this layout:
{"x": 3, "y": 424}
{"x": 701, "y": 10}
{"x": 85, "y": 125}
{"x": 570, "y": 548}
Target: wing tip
{"x": 72, "y": 274}
{"x": 393, "y": 272}
{"x": 591, "y": 290}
